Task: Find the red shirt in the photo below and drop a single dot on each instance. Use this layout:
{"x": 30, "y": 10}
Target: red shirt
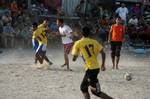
{"x": 117, "y": 32}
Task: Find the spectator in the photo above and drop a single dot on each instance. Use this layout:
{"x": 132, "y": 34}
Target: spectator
{"x": 147, "y": 14}
{"x": 133, "y": 21}
{"x": 142, "y": 21}
{"x": 80, "y": 9}
{"x": 14, "y": 11}
{"x": 136, "y": 10}
{"x": 1, "y": 30}
{"x": 14, "y": 8}
{"x": 8, "y": 35}
{"x": 146, "y": 35}
{"x": 122, "y": 12}
{"x": 6, "y": 18}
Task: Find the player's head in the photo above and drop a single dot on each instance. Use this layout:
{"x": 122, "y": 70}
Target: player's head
{"x": 118, "y": 20}
{"x": 34, "y": 26}
{"x": 86, "y": 31}
{"x": 46, "y": 22}
{"x": 60, "y": 22}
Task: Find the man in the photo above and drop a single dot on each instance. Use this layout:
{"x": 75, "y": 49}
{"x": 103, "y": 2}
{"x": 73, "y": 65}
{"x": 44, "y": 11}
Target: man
{"x": 122, "y": 12}
{"x": 66, "y": 34}
{"x": 9, "y": 34}
{"x": 89, "y": 49}
{"x": 116, "y": 37}
{"x": 43, "y": 39}
{"x": 35, "y": 43}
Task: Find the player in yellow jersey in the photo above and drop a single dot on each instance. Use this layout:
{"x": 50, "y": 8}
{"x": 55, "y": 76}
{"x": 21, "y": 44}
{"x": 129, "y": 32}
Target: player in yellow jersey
{"x": 35, "y": 43}
{"x": 44, "y": 30}
{"x": 89, "y": 50}
{"x": 42, "y": 40}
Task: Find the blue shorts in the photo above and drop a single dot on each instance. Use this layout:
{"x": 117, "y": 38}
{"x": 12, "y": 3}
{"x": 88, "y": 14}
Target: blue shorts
{"x": 38, "y": 48}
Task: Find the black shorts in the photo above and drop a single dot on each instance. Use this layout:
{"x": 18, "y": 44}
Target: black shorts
{"x": 116, "y": 48}
{"x": 90, "y": 79}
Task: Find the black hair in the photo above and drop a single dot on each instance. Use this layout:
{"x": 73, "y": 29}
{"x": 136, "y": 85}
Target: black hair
{"x": 118, "y": 17}
{"x": 61, "y": 20}
{"x": 34, "y": 24}
{"x": 46, "y": 19}
{"x": 86, "y": 31}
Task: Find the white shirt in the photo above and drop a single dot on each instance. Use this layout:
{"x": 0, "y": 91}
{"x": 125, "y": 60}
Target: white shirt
{"x": 133, "y": 21}
{"x": 66, "y": 30}
{"x": 122, "y": 12}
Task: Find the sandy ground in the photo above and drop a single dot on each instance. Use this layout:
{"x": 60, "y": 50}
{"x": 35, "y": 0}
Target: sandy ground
{"x": 19, "y": 80}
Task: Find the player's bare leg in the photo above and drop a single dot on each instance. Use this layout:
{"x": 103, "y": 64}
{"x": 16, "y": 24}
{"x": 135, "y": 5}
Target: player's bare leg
{"x": 113, "y": 61}
{"x": 117, "y": 61}
{"x": 66, "y": 62}
{"x": 86, "y": 95}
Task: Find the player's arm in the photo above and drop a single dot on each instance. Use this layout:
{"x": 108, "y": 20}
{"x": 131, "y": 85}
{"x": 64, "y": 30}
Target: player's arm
{"x": 109, "y": 35}
{"x": 75, "y": 51}
{"x": 103, "y": 59}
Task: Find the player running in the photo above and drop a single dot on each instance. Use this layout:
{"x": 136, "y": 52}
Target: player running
{"x": 89, "y": 49}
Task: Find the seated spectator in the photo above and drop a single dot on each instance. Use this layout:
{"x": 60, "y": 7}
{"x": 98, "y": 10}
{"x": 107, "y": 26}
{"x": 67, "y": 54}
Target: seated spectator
{"x": 133, "y": 21}
{"x": 8, "y": 35}
{"x": 146, "y": 35}
{"x": 6, "y": 18}
{"x": 60, "y": 11}
{"x": 147, "y": 14}
{"x": 1, "y": 30}
{"x": 142, "y": 21}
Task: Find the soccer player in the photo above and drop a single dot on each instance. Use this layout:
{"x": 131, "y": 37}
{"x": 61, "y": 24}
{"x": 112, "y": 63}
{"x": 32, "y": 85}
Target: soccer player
{"x": 116, "y": 37}
{"x": 35, "y": 43}
{"x": 66, "y": 34}
{"x": 89, "y": 50}
{"x": 43, "y": 36}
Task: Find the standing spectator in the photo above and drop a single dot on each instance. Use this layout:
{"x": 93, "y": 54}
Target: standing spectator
{"x": 136, "y": 10}
{"x": 14, "y": 10}
{"x": 80, "y": 9}
{"x": 8, "y": 34}
{"x": 122, "y": 12}
{"x": 133, "y": 21}
{"x": 116, "y": 36}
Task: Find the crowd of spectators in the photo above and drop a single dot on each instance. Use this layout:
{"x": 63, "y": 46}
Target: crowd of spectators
{"x": 16, "y": 22}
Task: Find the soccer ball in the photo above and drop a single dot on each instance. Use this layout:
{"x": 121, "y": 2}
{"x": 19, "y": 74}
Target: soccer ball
{"x": 128, "y": 76}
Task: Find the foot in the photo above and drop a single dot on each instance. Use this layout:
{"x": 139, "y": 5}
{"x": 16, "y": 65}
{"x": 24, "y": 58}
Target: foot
{"x": 103, "y": 68}
{"x": 64, "y": 65}
{"x": 117, "y": 67}
{"x": 68, "y": 69}
{"x": 50, "y": 63}
{"x": 113, "y": 67}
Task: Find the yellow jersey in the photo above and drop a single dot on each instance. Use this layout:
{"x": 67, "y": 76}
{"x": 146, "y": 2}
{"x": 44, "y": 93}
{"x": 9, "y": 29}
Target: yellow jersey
{"x": 43, "y": 36}
{"x": 89, "y": 50}
{"x": 40, "y": 35}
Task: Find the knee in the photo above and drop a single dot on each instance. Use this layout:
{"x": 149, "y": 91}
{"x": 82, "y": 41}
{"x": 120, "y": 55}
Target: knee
{"x": 112, "y": 54}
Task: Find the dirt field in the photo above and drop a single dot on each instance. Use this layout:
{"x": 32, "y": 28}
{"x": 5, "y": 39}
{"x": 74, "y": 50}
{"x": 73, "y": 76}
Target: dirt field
{"x": 20, "y": 80}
